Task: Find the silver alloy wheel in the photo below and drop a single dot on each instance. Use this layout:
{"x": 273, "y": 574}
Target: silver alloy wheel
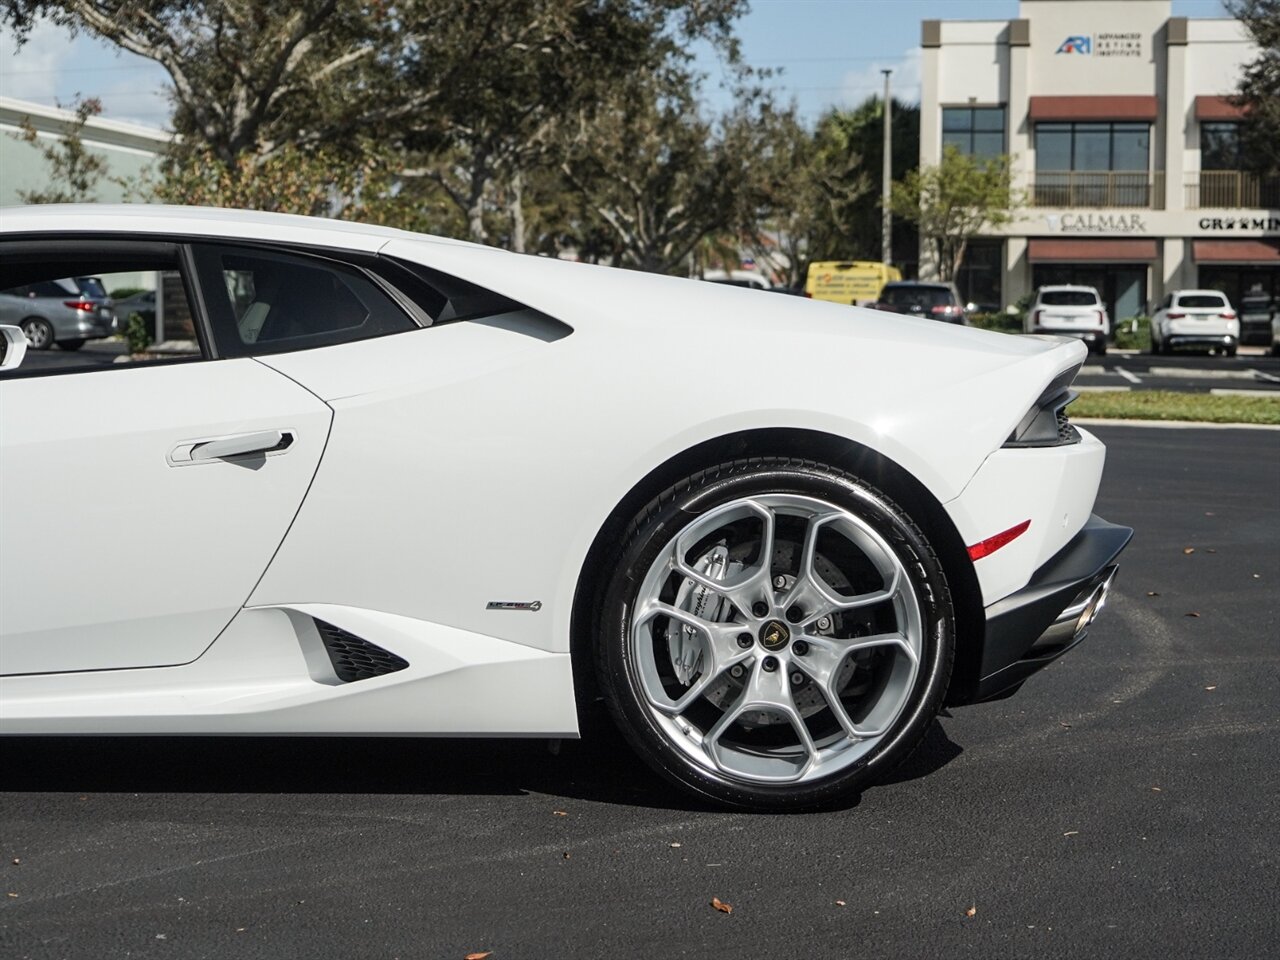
{"x": 38, "y": 333}
{"x": 776, "y": 639}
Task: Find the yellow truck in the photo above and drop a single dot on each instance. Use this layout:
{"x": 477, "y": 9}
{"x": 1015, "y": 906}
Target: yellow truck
{"x": 848, "y": 281}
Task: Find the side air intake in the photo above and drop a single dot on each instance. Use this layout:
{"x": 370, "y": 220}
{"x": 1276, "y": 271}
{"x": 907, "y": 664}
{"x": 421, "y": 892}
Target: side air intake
{"x": 356, "y": 659}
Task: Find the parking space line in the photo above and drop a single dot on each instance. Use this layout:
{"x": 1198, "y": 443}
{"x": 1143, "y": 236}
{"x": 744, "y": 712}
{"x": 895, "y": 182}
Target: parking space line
{"x": 1229, "y": 392}
{"x": 1108, "y": 389}
{"x": 1132, "y": 378}
{"x": 1264, "y": 376}
{"x": 1200, "y": 373}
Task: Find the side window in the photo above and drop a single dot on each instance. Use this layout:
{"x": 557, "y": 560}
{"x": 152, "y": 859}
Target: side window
{"x": 265, "y": 302}
{"x": 87, "y": 305}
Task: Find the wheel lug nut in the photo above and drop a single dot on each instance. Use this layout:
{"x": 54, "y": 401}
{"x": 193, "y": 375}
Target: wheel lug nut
{"x": 760, "y": 608}
{"x": 779, "y": 581}
{"x": 824, "y": 623}
{"x": 736, "y": 671}
{"x": 795, "y": 615}
{"x": 800, "y": 648}
{"x": 797, "y": 678}
{"x": 745, "y": 640}
{"x": 769, "y": 664}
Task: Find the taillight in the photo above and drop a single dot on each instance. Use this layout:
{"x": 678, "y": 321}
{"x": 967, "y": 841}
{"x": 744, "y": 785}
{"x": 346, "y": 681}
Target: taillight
{"x": 84, "y": 305}
{"x": 1035, "y": 318}
{"x": 1228, "y": 314}
{"x": 1175, "y": 316}
{"x": 1099, "y": 313}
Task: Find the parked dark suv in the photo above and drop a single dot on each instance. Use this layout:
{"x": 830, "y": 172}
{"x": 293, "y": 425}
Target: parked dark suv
{"x": 938, "y": 301}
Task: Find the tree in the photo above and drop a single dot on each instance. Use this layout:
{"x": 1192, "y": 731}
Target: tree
{"x": 1259, "y": 88}
{"x": 74, "y": 171}
{"x": 953, "y": 202}
{"x": 658, "y": 177}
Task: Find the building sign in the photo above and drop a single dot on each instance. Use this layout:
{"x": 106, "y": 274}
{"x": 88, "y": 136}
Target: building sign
{"x": 1096, "y": 223}
{"x": 1109, "y": 44}
{"x": 1265, "y": 224}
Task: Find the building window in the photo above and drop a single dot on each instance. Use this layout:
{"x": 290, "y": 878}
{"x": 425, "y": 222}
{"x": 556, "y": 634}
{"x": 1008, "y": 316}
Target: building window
{"x": 1219, "y": 146}
{"x": 1092, "y": 147}
{"x": 974, "y": 131}
{"x": 978, "y": 278}
{"x": 1094, "y": 165}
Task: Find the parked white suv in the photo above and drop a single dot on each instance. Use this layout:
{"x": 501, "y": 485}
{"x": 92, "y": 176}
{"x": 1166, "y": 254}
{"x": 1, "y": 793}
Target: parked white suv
{"x": 1070, "y": 311}
{"x": 1202, "y": 318}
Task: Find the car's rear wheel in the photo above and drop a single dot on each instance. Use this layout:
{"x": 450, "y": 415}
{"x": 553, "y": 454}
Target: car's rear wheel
{"x": 776, "y": 636}
{"x": 39, "y": 333}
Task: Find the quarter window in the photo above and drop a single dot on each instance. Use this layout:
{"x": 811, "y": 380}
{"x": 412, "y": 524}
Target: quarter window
{"x": 265, "y": 302}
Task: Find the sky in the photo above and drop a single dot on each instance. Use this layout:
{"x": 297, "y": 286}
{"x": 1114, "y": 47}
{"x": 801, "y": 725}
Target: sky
{"x": 829, "y": 52}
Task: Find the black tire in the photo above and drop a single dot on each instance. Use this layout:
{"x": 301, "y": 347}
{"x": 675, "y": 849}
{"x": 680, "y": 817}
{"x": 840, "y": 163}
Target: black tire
{"x": 670, "y": 512}
{"x": 1098, "y": 348}
{"x": 39, "y": 333}
{"x": 71, "y": 345}
{"x": 1275, "y": 349}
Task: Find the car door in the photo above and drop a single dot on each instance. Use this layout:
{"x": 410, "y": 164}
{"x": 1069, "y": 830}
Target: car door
{"x": 143, "y": 500}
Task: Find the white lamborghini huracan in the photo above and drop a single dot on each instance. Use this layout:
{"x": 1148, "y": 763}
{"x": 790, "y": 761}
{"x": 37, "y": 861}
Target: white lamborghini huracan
{"x": 373, "y": 483}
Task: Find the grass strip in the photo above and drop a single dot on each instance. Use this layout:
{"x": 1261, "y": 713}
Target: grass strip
{"x": 1169, "y": 405}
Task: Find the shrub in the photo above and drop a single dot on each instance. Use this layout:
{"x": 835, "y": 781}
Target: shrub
{"x": 1132, "y": 333}
{"x": 138, "y": 333}
{"x": 1003, "y": 322}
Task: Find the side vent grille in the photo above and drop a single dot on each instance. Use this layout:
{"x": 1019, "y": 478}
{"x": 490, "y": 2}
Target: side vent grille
{"x": 356, "y": 659}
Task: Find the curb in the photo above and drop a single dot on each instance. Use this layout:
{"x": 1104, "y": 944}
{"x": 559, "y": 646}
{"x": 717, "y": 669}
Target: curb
{"x": 1173, "y": 424}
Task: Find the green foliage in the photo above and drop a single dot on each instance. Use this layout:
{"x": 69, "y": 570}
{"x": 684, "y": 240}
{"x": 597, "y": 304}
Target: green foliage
{"x": 955, "y": 201}
{"x": 137, "y": 333}
{"x": 1259, "y": 88}
{"x": 1001, "y": 321}
{"x": 74, "y": 171}
{"x": 1170, "y": 405}
{"x": 1133, "y": 333}
{"x": 123, "y": 293}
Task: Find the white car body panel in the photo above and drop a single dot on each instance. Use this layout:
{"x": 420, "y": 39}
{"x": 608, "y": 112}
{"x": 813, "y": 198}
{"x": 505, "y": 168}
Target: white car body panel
{"x": 1010, "y": 488}
{"x": 164, "y": 556}
{"x": 470, "y": 463}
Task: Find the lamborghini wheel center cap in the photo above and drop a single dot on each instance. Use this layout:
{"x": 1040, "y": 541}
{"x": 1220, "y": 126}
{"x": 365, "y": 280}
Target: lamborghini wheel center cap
{"x": 774, "y": 635}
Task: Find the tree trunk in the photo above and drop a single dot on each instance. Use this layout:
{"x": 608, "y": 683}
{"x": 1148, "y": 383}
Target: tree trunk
{"x": 516, "y": 206}
{"x": 475, "y": 199}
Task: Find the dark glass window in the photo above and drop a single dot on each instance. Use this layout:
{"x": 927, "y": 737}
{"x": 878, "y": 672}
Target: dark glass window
{"x": 1093, "y": 147}
{"x": 1219, "y": 146}
{"x": 1068, "y": 298}
{"x": 978, "y": 278}
{"x": 916, "y": 295}
{"x": 974, "y": 131}
{"x": 265, "y": 302}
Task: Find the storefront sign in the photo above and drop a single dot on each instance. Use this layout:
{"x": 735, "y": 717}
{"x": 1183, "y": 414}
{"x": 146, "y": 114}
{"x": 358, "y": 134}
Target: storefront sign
{"x": 1224, "y": 224}
{"x": 1096, "y": 223}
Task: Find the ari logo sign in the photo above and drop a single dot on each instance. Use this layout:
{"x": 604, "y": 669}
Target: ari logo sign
{"x": 1083, "y": 45}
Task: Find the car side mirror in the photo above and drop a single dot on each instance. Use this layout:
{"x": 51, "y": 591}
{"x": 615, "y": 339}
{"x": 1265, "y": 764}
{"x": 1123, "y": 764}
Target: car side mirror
{"x": 15, "y": 347}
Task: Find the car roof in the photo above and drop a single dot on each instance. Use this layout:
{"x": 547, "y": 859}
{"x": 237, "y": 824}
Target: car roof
{"x": 919, "y": 283}
{"x": 1199, "y": 293}
{"x": 202, "y": 221}
{"x": 1067, "y": 286}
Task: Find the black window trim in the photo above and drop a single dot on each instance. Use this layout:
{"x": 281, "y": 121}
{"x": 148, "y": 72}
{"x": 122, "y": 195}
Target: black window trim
{"x": 464, "y": 300}
{"x": 40, "y": 245}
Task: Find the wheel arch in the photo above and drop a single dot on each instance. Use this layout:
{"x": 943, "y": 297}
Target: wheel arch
{"x": 856, "y": 458}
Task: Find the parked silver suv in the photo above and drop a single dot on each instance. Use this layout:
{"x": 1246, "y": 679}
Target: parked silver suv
{"x": 67, "y": 312}
{"x": 1071, "y": 311}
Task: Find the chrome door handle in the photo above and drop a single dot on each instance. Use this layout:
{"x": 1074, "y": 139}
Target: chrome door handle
{"x": 238, "y": 446}
{"x": 224, "y": 448}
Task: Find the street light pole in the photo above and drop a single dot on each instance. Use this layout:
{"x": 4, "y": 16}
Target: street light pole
{"x": 886, "y": 177}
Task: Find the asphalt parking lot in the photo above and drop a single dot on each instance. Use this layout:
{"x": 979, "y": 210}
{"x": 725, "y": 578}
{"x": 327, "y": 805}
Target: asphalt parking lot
{"x": 1251, "y": 372}
{"x": 1124, "y": 804}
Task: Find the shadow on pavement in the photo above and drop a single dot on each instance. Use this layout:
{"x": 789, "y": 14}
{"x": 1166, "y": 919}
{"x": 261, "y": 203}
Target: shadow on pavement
{"x": 600, "y": 768}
